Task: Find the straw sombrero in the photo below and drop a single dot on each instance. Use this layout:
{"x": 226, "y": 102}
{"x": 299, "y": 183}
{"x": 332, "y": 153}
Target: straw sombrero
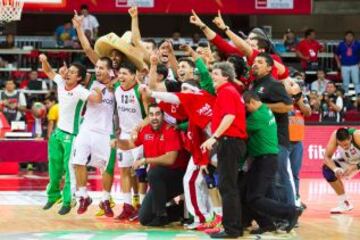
{"x": 105, "y": 44}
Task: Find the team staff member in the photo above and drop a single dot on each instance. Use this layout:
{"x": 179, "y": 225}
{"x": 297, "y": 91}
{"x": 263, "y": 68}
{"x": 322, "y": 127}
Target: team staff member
{"x": 163, "y": 151}
{"x": 228, "y": 128}
{"x": 263, "y": 148}
{"x": 273, "y": 93}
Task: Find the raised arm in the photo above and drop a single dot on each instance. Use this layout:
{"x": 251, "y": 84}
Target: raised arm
{"x": 153, "y": 75}
{"x": 241, "y": 44}
{"x": 89, "y": 51}
{"x": 47, "y": 69}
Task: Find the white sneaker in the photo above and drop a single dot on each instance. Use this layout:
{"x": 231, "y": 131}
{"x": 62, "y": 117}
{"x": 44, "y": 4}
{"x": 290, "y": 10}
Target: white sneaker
{"x": 192, "y": 226}
{"x": 344, "y": 206}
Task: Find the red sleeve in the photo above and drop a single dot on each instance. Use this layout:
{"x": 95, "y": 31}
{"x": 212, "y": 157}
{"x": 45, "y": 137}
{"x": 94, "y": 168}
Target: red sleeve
{"x": 276, "y": 58}
{"x": 140, "y": 139}
{"x": 172, "y": 139}
{"x": 225, "y": 47}
{"x": 284, "y": 75}
{"x": 227, "y": 103}
{"x": 251, "y": 59}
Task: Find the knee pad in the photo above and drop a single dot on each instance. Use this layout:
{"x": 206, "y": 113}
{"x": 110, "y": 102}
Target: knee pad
{"x": 141, "y": 174}
{"x": 328, "y": 174}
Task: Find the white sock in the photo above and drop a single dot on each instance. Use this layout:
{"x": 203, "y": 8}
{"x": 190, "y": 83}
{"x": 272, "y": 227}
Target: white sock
{"x": 106, "y": 196}
{"x": 126, "y": 198}
{"x": 342, "y": 198}
{"x": 142, "y": 196}
{"x": 218, "y": 210}
{"x": 83, "y": 192}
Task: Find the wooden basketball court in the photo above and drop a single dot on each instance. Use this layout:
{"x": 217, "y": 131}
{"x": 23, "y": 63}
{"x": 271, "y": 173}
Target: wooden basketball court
{"x": 23, "y": 218}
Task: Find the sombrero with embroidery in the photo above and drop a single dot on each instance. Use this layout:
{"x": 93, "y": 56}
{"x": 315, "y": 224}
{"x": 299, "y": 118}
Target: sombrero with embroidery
{"x": 105, "y": 44}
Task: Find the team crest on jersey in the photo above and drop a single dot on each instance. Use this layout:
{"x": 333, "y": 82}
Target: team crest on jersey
{"x": 149, "y": 137}
{"x": 261, "y": 90}
{"x": 70, "y": 94}
{"x": 353, "y": 151}
{"x": 174, "y": 108}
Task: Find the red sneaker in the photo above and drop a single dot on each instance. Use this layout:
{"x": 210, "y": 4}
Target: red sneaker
{"x": 106, "y": 206}
{"x": 212, "y": 230}
{"x": 213, "y": 224}
{"x": 84, "y": 204}
{"x": 135, "y": 216}
{"x": 127, "y": 212}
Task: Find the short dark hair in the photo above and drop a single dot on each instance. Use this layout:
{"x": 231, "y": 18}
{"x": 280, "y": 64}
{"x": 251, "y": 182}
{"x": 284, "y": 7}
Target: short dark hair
{"x": 10, "y": 80}
{"x": 108, "y": 62}
{"x": 248, "y": 95}
{"x": 349, "y": 32}
{"x": 342, "y": 134}
{"x": 162, "y": 70}
{"x": 308, "y": 32}
{"x": 81, "y": 70}
{"x": 150, "y": 40}
{"x": 332, "y": 83}
{"x": 188, "y": 60}
{"x": 161, "y": 42}
{"x": 155, "y": 105}
{"x": 268, "y": 59}
{"x": 241, "y": 70}
{"x": 84, "y": 7}
{"x": 129, "y": 66}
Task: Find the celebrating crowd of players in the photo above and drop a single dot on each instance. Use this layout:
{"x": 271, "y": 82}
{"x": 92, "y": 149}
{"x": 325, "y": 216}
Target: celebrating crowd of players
{"x": 219, "y": 133}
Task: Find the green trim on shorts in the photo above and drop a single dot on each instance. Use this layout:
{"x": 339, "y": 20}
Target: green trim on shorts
{"x": 111, "y": 164}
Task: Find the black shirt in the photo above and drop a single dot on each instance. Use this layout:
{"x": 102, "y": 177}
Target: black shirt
{"x": 271, "y": 91}
{"x": 172, "y": 86}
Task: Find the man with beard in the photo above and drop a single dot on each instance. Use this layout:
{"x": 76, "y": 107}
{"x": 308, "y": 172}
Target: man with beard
{"x": 163, "y": 152}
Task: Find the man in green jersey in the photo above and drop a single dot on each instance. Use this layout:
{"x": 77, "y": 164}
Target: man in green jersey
{"x": 263, "y": 148}
{"x": 72, "y": 96}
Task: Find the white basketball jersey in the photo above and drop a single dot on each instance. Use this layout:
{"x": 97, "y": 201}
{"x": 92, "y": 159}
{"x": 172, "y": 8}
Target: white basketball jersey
{"x": 129, "y": 108}
{"x": 99, "y": 116}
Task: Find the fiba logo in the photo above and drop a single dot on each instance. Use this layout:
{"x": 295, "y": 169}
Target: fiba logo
{"x": 317, "y": 152}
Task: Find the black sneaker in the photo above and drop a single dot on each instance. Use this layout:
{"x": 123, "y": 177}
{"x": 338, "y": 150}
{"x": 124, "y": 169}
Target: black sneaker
{"x": 159, "y": 221}
{"x": 48, "y": 205}
{"x": 64, "y": 210}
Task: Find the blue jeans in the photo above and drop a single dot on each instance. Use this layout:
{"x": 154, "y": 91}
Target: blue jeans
{"x": 282, "y": 189}
{"x": 353, "y": 72}
{"x": 296, "y": 157}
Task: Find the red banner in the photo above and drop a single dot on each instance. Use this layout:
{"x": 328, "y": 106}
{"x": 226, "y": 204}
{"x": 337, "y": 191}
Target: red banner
{"x": 175, "y": 6}
{"x": 316, "y": 139}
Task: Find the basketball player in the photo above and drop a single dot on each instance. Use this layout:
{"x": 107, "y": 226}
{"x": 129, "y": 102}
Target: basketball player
{"x": 71, "y": 95}
{"x": 131, "y": 107}
{"x": 344, "y": 165}
{"x": 91, "y": 146}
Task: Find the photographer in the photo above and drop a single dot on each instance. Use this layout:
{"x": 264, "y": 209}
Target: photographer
{"x": 332, "y": 105}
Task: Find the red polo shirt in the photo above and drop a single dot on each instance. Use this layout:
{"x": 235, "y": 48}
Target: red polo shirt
{"x": 229, "y": 101}
{"x": 157, "y": 143}
{"x": 309, "y": 48}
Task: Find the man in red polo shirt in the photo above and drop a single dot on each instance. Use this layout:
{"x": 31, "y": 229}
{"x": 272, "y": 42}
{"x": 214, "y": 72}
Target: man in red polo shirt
{"x": 229, "y": 131}
{"x": 168, "y": 162}
{"x": 308, "y": 49}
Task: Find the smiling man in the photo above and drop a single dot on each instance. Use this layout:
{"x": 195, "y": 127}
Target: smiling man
{"x": 346, "y": 164}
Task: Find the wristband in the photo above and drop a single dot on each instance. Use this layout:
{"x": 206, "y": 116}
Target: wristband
{"x": 202, "y": 28}
{"x": 337, "y": 168}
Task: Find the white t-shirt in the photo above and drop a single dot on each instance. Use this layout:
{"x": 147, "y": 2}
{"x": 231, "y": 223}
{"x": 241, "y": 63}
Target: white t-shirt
{"x": 71, "y": 104}
{"x": 89, "y": 23}
{"x": 99, "y": 116}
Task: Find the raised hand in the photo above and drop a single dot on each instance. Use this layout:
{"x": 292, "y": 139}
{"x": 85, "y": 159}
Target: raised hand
{"x": 154, "y": 58}
{"x": 63, "y": 70}
{"x": 133, "y": 12}
{"x": 77, "y": 20}
{"x": 219, "y": 22}
{"x": 42, "y": 58}
{"x": 194, "y": 19}
{"x": 187, "y": 49}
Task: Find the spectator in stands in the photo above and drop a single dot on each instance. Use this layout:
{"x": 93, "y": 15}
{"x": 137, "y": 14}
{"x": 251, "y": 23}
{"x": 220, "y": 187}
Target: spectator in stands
{"x": 290, "y": 41}
{"x": 308, "y": 49}
{"x": 177, "y": 40}
{"x": 348, "y": 58}
{"x": 8, "y": 44}
{"x": 53, "y": 113}
{"x": 14, "y": 102}
{"x": 149, "y": 45}
{"x": 65, "y": 34}
{"x": 90, "y": 23}
{"x": 195, "y": 40}
{"x": 314, "y": 101}
{"x": 321, "y": 83}
{"x": 332, "y": 105}
{"x": 36, "y": 83}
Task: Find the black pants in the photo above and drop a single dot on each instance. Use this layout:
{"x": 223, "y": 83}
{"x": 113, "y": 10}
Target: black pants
{"x": 165, "y": 184}
{"x": 229, "y": 152}
{"x": 259, "y": 179}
